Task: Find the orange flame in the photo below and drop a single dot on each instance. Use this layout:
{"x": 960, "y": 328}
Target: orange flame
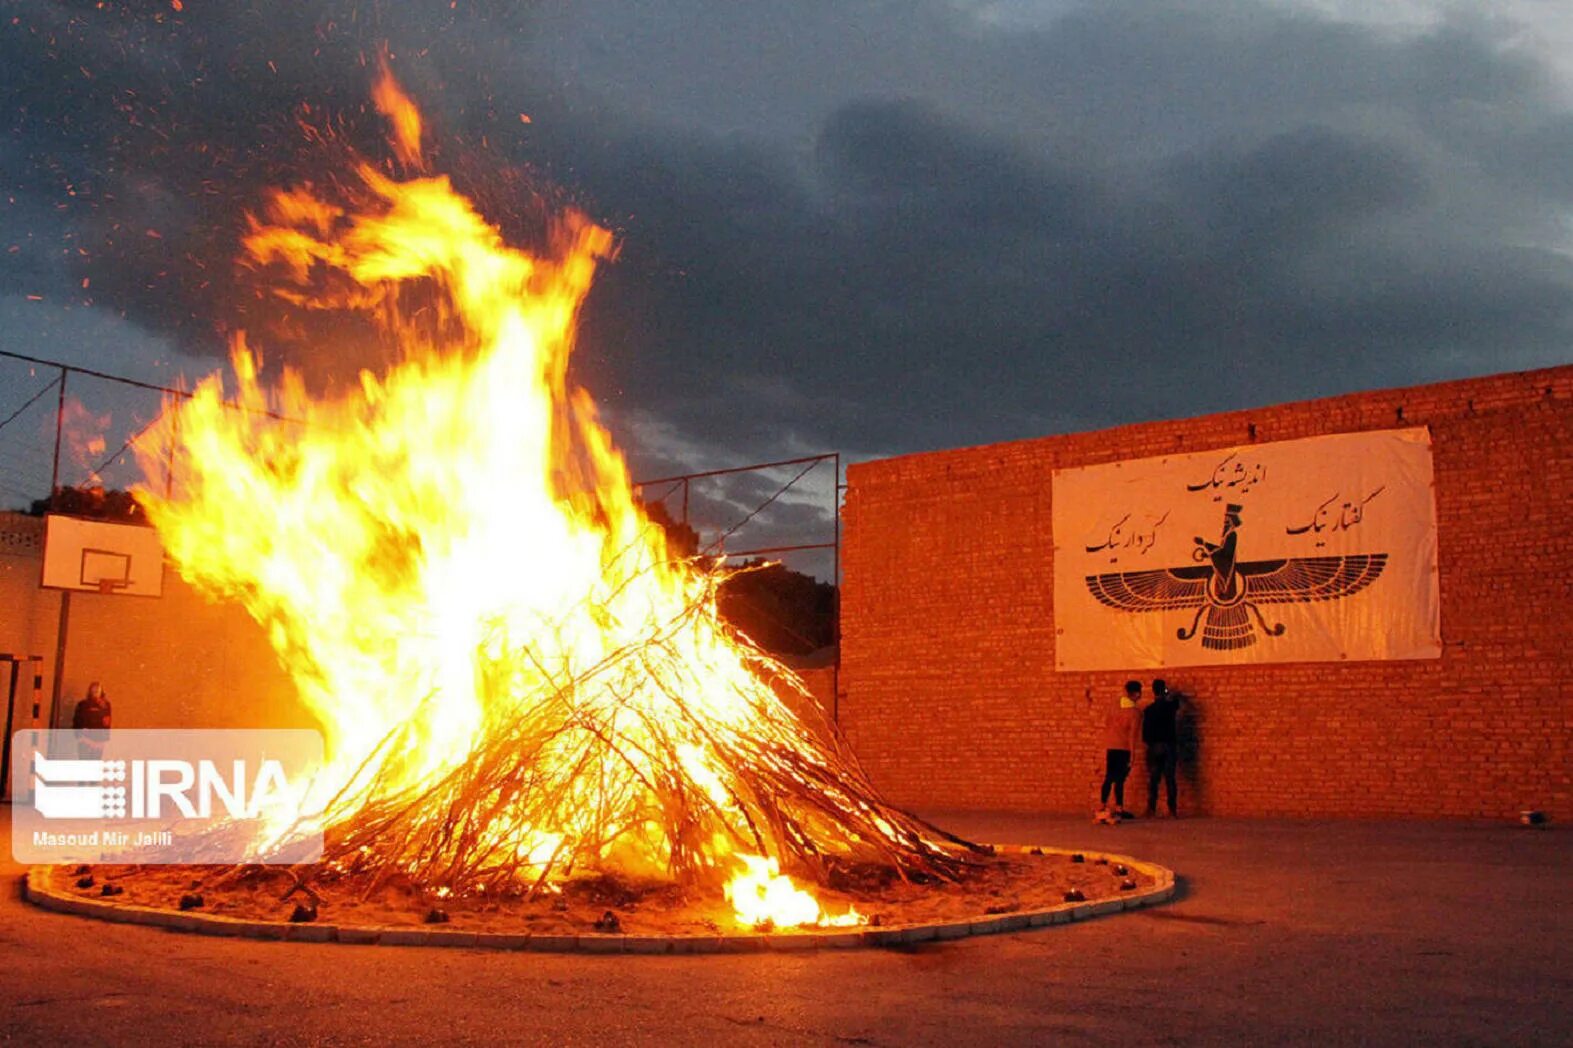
{"x": 393, "y": 103}
{"x": 453, "y": 540}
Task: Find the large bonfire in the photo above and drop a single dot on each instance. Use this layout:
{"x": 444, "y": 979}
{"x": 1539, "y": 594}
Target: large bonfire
{"x": 517, "y": 679}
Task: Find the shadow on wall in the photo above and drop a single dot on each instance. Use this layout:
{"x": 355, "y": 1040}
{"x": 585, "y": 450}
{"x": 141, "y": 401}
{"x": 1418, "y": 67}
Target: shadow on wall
{"x": 1189, "y": 730}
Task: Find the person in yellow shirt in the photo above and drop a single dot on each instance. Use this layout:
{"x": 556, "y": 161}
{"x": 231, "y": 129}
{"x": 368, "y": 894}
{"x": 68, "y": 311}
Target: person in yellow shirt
{"x": 1121, "y": 732}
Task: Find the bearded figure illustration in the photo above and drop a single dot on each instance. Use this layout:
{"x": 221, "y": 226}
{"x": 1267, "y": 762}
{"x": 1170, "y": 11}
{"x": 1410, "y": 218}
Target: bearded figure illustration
{"x": 1227, "y": 593}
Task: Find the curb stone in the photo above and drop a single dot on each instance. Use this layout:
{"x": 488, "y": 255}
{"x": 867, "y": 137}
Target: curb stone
{"x": 39, "y": 888}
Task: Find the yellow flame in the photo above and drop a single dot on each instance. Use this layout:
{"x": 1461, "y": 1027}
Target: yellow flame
{"x": 763, "y": 895}
{"x": 444, "y": 544}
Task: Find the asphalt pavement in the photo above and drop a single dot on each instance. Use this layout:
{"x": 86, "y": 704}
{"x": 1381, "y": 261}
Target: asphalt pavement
{"x": 1282, "y": 933}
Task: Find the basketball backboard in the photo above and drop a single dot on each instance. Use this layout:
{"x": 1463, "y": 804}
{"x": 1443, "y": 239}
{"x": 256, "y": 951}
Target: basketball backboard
{"x": 102, "y": 557}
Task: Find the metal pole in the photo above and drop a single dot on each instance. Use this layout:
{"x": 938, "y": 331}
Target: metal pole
{"x": 60, "y": 419}
{"x": 60, "y": 657}
{"x": 169, "y": 455}
{"x": 835, "y": 574}
{"x": 10, "y": 718}
{"x": 835, "y": 507}
{"x": 65, "y": 595}
{"x": 38, "y": 685}
{"x": 685, "y": 500}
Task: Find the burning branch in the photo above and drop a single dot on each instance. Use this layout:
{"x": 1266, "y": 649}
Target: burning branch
{"x": 510, "y": 813}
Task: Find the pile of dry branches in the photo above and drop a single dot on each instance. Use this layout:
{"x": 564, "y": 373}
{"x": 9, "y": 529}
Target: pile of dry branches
{"x": 618, "y": 769}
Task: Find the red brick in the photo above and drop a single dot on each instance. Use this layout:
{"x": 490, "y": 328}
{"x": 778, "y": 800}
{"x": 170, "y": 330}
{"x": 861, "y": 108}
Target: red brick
{"x": 951, "y": 699}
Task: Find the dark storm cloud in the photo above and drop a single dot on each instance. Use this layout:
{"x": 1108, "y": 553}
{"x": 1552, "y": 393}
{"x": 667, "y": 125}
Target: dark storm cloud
{"x": 140, "y": 135}
{"x": 867, "y": 227}
{"x": 1195, "y": 208}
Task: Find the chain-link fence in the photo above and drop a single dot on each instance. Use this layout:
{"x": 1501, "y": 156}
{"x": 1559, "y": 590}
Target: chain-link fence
{"x": 67, "y": 429}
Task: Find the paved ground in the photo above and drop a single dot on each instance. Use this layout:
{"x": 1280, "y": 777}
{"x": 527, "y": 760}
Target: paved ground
{"x": 1310, "y": 933}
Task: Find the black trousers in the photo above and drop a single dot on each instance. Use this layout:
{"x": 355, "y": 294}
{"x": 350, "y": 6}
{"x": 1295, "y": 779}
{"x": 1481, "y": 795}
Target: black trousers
{"x": 1116, "y": 766}
{"x": 1162, "y": 758}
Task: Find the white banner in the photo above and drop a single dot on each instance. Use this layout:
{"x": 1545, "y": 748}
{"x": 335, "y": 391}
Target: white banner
{"x": 1296, "y": 551}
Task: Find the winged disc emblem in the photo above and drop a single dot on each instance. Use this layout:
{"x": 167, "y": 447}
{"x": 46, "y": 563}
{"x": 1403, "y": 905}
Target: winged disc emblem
{"x": 1226, "y": 593}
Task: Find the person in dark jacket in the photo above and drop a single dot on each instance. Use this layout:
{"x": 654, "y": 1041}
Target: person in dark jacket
{"x": 1161, "y": 737}
{"x": 91, "y": 722}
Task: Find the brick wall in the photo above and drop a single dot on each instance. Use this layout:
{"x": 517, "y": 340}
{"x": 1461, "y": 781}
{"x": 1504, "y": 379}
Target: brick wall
{"x": 951, "y": 699}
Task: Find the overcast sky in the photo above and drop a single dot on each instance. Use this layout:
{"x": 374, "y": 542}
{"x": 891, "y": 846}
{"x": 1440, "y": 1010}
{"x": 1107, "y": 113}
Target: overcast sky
{"x": 866, "y": 227}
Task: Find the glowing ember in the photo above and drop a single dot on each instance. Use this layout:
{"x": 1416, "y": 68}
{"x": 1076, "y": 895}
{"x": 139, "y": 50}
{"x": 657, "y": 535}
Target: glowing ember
{"x": 517, "y": 680}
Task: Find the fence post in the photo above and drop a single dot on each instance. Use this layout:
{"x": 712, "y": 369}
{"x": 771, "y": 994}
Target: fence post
{"x": 835, "y": 576}
{"x": 169, "y": 454}
{"x": 60, "y": 419}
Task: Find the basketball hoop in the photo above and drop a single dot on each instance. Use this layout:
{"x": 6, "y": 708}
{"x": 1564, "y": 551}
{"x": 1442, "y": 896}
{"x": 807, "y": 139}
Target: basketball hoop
{"x": 103, "y": 557}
